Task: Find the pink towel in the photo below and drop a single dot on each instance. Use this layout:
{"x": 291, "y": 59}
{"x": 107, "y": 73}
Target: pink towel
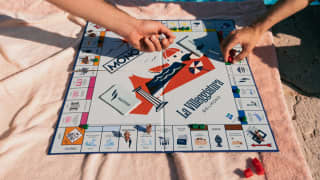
{"x": 38, "y": 43}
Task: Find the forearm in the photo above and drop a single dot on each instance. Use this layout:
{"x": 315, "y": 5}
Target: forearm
{"x": 281, "y": 10}
{"x": 100, "y": 13}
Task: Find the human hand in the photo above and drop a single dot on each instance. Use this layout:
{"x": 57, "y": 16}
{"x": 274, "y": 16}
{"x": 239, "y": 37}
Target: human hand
{"x": 145, "y": 36}
{"x": 247, "y": 37}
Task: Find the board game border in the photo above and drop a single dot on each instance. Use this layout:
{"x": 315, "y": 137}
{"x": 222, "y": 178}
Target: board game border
{"x": 140, "y": 152}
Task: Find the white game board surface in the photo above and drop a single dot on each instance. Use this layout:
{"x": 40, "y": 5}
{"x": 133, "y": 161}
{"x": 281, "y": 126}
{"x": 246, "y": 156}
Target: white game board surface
{"x": 183, "y": 99}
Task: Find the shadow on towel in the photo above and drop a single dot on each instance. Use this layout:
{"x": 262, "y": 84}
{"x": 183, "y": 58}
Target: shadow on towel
{"x": 20, "y": 29}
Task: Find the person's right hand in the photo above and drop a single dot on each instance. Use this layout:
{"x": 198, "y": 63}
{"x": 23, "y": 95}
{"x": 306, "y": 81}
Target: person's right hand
{"x": 146, "y": 35}
{"x": 247, "y": 37}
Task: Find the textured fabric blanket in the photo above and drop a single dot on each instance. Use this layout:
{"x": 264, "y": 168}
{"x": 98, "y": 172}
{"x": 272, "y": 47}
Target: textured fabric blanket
{"x": 38, "y": 43}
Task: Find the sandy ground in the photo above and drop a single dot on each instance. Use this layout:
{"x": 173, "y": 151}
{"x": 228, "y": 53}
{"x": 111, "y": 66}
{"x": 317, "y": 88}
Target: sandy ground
{"x": 297, "y": 42}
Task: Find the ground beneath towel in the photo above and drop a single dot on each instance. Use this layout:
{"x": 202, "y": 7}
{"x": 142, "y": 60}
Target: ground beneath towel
{"x": 297, "y": 42}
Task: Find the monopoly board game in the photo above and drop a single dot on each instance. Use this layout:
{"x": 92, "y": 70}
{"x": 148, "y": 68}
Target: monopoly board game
{"x": 183, "y": 99}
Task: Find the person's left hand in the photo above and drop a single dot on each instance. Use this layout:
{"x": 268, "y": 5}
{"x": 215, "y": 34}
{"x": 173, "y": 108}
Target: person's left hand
{"x": 146, "y": 35}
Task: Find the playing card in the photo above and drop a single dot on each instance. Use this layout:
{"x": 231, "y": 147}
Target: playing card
{"x": 120, "y": 99}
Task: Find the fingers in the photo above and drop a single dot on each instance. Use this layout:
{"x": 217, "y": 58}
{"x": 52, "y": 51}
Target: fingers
{"x": 149, "y": 46}
{"x": 155, "y": 40}
{"x": 165, "y": 43}
{"x": 148, "y": 37}
{"x": 154, "y": 44}
{"x": 169, "y": 34}
{"x": 227, "y": 44}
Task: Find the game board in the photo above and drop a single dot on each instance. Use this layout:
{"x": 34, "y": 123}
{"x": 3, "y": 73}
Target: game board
{"x": 183, "y": 99}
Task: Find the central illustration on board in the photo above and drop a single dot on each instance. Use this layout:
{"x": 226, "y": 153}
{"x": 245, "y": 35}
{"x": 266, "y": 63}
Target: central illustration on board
{"x": 178, "y": 68}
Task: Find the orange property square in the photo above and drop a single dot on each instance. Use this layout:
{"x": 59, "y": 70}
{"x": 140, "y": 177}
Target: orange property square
{"x": 73, "y": 135}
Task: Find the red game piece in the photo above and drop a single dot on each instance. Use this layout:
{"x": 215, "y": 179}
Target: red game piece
{"x": 260, "y": 170}
{"x": 248, "y": 173}
{"x": 258, "y": 166}
{"x": 230, "y": 59}
{"x": 233, "y": 52}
